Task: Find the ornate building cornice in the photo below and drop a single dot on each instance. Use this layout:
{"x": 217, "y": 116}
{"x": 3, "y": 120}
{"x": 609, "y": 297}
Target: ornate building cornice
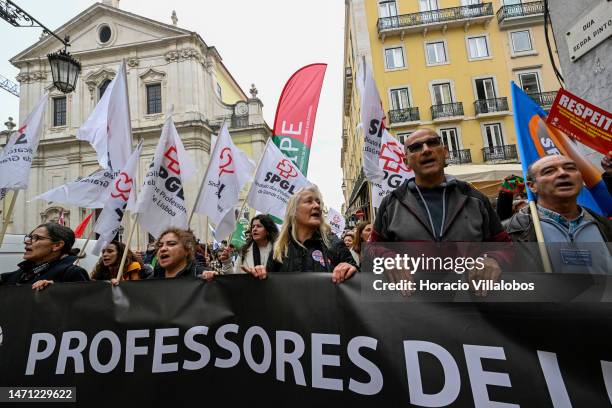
{"x": 29, "y": 77}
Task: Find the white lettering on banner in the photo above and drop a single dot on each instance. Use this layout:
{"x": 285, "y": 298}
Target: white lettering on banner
{"x": 75, "y": 352}
{"x": 286, "y": 146}
{"x": 290, "y": 131}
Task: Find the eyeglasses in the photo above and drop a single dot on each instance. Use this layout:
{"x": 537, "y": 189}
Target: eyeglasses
{"x": 418, "y": 146}
{"x": 34, "y": 238}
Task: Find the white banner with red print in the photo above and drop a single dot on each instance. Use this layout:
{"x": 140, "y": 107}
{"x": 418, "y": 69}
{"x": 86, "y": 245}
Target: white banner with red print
{"x": 391, "y": 163}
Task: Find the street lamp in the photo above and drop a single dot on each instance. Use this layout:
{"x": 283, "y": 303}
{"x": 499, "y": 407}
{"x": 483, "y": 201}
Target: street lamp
{"x": 64, "y": 68}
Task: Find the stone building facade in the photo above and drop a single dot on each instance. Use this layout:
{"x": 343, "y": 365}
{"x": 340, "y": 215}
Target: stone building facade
{"x": 167, "y": 66}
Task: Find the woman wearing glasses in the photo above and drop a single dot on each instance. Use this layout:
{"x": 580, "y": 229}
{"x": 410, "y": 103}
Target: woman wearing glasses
{"x": 47, "y": 259}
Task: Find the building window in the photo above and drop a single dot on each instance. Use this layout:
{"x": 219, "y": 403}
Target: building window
{"x": 478, "y": 47}
{"x": 529, "y": 82}
{"x": 521, "y": 41}
{"x": 402, "y": 137}
{"x": 219, "y": 92}
{"x": 436, "y": 53}
{"x": 511, "y": 2}
{"x": 104, "y": 34}
{"x": 387, "y": 8}
{"x": 102, "y": 88}
{"x": 442, "y": 93}
{"x": 154, "y": 100}
{"x": 400, "y": 99}
{"x": 428, "y": 5}
{"x": 493, "y": 135}
{"x": 394, "y": 58}
{"x": 59, "y": 111}
{"x": 450, "y": 139}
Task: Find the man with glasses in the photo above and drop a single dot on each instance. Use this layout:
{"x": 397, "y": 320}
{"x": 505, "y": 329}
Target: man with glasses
{"x": 435, "y": 207}
{"x": 47, "y": 259}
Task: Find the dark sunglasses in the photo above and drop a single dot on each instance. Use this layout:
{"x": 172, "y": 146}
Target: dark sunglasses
{"x": 418, "y": 146}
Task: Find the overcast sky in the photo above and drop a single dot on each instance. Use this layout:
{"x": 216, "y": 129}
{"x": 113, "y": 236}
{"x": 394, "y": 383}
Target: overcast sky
{"x": 261, "y": 42}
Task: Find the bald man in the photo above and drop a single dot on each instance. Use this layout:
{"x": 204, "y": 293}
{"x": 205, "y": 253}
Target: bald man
{"x": 435, "y": 207}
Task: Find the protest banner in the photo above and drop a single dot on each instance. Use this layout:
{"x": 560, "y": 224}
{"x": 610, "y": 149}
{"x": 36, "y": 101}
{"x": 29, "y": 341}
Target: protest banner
{"x": 298, "y": 340}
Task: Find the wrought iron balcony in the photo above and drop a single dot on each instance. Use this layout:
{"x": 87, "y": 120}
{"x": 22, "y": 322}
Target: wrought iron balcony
{"x": 499, "y": 153}
{"x": 447, "y": 110}
{"x": 404, "y": 115}
{"x": 522, "y": 13}
{"x": 544, "y": 99}
{"x": 446, "y": 16}
{"x": 482, "y": 106}
{"x": 459, "y": 156}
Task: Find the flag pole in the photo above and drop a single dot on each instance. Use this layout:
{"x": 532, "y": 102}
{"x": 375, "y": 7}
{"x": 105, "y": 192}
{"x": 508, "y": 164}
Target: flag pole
{"x": 82, "y": 252}
{"x": 9, "y": 215}
{"x": 127, "y": 246}
{"x": 540, "y": 236}
{"x": 254, "y": 173}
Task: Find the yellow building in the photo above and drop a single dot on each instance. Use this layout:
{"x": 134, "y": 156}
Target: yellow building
{"x": 446, "y": 65}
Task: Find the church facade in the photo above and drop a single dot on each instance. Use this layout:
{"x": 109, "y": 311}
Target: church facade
{"x": 167, "y": 67}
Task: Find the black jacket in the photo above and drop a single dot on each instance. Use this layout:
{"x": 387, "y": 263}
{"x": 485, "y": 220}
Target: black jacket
{"x": 190, "y": 271}
{"x": 60, "y": 270}
{"x": 469, "y": 216}
{"x": 315, "y": 257}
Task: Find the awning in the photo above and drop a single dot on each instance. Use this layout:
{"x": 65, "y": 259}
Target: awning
{"x": 484, "y": 172}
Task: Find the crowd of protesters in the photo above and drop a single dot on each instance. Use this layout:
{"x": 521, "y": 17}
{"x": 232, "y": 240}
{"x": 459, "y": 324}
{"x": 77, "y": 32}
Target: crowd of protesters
{"x": 430, "y": 207}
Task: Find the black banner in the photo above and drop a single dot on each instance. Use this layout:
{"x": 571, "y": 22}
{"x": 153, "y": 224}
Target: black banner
{"x": 300, "y": 340}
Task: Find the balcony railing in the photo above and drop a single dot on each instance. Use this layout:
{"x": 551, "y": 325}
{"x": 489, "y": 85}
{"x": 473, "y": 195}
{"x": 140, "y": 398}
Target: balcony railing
{"x": 499, "y": 153}
{"x": 404, "y": 115}
{"x": 435, "y": 16}
{"x": 544, "y": 99}
{"x": 447, "y": 110}
{"x": 520, "y": 10}
{"x": 459, "y": 156}
{"x": 491, "y": 105}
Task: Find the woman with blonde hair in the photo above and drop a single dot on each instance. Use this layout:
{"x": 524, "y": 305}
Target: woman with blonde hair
{"x": 305, "y": 243}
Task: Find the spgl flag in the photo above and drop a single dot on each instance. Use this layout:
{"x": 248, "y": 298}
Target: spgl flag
{"x": 536, "y": 139}
{"x": 228, "y": 171}
{"x": 16, "y": 158}
{"x": 296, "y": 113}
{"x": 391, "y": 163}
{"x": 86, "y": 192}
{"x": 119, "y": 194}
{"x": 108, "y": 128}
{"x": 276, "y": 180}
{"x": 336, "y": 221}
{"x": 161, "y": 203}
{"x": 372, "y": 124}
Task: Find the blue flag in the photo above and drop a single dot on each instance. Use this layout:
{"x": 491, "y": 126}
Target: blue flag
{"x": 536, "y": 139}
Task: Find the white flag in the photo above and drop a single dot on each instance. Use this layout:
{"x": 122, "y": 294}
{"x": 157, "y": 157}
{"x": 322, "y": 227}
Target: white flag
{"x": 391, "y": 163}
{"x": 276, "y": 180}
{"x": 161, "y": 203}
{"x": 372, "y": 123}
{"x": 120, "y": 193}
{"x": 336, "y": 221}
{"x": 86, "y": 192}
{"x": 108, "y": 128}
{"x": 16, "y": 158}
{"x": 228, "y": 171}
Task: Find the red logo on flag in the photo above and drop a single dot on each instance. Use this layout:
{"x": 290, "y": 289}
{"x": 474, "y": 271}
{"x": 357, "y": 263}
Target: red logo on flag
{"x": 173, "y": 163}
{"x": 227, "y": 162}
{"x": 286, "y": 169}
{"x": 123, "y": 185}
{"x": 393, "y": 155}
